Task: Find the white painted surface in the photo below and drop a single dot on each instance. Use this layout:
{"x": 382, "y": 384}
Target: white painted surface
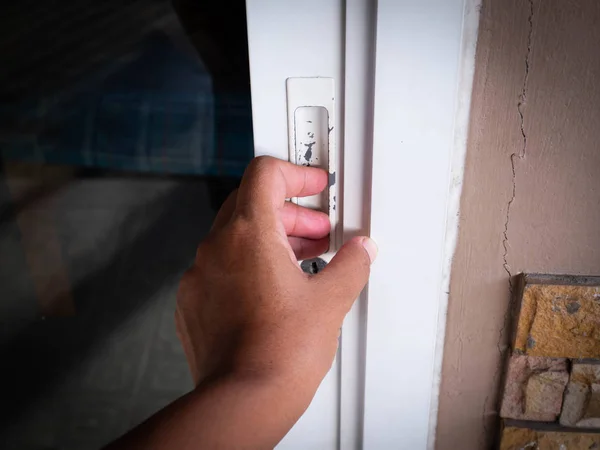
{"x": 385, "y": 396}
{"x": 295, "y": 39}
{"x": 416, "y": 87}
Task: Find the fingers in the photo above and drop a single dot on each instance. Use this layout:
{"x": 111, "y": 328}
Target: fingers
{"x": 348, "y": 272}
{"x": 297, "y": 220}
{"x": 267, "y": 182}
{"x": 226, "y": 211}
{"x": 303, "y": 222}
{"x": 308, "y": 248}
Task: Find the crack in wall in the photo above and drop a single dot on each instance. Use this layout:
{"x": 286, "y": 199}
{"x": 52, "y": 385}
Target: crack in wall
{"x": 501, "y": 346}
{"x": 521, "y": 154}
{"x": 513, "y": 157}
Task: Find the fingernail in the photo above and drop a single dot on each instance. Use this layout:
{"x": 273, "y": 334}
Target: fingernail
{"x": 371, "y": 248}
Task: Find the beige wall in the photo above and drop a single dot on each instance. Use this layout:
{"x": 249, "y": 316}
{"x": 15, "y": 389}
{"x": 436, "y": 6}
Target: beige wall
{"x": 531, "y": 196}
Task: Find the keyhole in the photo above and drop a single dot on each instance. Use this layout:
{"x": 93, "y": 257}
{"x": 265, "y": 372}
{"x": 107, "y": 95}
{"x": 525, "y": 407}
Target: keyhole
{"x": 313, "y": 266}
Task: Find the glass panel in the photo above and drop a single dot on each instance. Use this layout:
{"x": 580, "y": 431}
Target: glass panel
{"x": 123, "y": 127}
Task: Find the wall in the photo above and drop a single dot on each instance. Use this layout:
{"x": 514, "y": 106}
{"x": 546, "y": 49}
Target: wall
{"x": 531, "y": 195}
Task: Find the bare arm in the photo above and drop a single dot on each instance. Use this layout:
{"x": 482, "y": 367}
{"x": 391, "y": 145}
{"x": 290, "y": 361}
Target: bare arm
{"x": 259, "y": 334}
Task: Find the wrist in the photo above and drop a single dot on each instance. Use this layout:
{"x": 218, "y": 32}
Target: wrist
{"x": 291, "y": 357}
{"x": 264, "y": 404}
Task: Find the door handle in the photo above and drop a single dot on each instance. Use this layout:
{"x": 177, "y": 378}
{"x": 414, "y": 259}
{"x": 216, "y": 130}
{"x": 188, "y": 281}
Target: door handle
{"x": 311, "y": 135}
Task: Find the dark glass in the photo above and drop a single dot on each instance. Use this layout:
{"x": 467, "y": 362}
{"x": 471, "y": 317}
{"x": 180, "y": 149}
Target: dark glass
{"x": 123, "y": 127}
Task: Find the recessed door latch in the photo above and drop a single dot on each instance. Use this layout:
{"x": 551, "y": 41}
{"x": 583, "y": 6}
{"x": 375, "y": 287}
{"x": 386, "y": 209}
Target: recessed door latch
{"x": 311, "y": 134}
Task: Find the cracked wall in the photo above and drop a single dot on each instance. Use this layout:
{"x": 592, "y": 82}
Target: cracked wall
{"x": 531, "y": 195}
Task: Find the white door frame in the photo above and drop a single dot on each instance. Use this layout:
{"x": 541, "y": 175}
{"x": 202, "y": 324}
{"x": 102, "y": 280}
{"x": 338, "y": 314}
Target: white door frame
{"x": 424, "y": 72}
{"x": 403, "y": 73}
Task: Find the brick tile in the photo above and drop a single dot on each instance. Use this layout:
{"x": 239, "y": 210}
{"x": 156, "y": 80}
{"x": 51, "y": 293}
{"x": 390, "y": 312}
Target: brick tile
{"x": 527, "y": 439}
{"x": 582, "y": 398}
{"x": 534, "y": 388}
{"x": 559, "y": 321}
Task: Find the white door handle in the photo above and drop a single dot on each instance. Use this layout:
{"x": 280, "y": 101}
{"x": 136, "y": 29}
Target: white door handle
{"x": 311, "y": 134}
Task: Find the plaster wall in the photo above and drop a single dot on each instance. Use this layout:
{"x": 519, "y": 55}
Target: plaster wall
{"x": 531, "y": 194}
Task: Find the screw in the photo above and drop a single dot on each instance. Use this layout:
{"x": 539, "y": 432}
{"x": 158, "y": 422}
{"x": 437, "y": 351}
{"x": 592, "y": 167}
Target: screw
{"x": 313, "y": 266}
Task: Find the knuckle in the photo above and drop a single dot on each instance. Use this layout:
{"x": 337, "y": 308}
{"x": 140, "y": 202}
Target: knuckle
{"x": 240, "y": 227}
{"x": 262, "y": 164}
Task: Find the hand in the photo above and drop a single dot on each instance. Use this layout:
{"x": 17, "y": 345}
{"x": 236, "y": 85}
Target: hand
{"x": 259, "y": 334}
{"x": 246, "y": 305}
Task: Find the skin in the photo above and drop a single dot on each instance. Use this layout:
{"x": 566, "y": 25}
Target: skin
{"x": 259, "y": 334}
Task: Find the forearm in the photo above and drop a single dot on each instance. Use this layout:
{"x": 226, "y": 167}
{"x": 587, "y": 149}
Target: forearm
{"x": 234, "y": 412}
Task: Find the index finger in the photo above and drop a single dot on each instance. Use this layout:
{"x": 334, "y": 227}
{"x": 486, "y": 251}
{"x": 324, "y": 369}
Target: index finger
{"x": 268, "y": 181}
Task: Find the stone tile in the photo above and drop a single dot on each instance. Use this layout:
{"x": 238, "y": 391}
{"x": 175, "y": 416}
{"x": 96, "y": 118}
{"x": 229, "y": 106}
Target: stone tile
{"x": 559, "y": 321}
{"x": 581, "y": 406}
{"x": 534, "y": 388}
{"x": 526, "y": 439}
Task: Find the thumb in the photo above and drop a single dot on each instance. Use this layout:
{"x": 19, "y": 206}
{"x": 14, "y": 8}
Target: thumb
{"x": 348, "y": 272}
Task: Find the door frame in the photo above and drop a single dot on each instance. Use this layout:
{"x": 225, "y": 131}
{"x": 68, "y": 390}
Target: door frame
{"x": 403, "y": 72}
{"x": 425, "y": 57}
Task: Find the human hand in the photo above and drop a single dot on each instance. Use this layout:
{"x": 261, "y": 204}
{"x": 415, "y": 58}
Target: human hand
{"x": 259, "y": 334}
{"x": 245, "y": 306}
